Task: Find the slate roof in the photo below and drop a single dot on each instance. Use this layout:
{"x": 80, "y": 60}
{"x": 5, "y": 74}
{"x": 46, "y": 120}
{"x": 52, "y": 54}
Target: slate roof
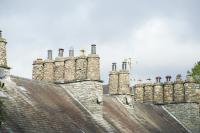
{"x": 39, "y": 107}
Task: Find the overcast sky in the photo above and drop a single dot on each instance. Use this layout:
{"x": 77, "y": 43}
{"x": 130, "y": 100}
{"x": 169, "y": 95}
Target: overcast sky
{"x": 162, "y": 36}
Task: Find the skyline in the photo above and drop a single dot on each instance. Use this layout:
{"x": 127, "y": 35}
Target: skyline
{"x": 161, "y": 37}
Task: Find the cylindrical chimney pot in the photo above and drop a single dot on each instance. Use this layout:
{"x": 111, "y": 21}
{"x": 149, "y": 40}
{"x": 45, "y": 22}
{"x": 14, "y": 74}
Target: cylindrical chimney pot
{"x": 61, "y": 51}
{"x": 49, "y": 54}
{"x": 158, "y": 79}
{"x": 168, "y": 78}
{"x": 114, "y": 66}
{"x": 124, "y": 65}
{"x": 71, "y": 52}
{"x": 93, "y": 49}
{"x": 82, "y": 52}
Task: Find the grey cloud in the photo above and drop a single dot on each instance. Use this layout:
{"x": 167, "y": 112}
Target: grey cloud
{"x": 121, "y": 29}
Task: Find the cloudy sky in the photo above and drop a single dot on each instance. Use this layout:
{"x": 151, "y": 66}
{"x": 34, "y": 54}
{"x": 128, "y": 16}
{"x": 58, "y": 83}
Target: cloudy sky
{"x": 161, "y": 36}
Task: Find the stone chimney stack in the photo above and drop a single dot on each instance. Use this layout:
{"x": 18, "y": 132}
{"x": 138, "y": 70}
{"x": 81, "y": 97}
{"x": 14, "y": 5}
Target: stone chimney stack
{"x": 124, "y": 80}
{"x": 81, "y": 66}
{"x": 113, "y": 80}
{"x": 3, "y": 54}
{"x": 50, "y": 55}
{"x": 168, "y": 90}
{"x": 70, "y": 67}
{"x": 49, "y": 67}
{"x": 158, "y": 91}
{"x": 38, "y": 69}
{"x": 179, "y": 95}
{"x": 93, "y": 49}
{"x": 93, "y": 68}
{"x": 59, "y": 67}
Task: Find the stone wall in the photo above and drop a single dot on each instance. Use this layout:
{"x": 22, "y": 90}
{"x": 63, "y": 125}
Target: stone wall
{"x": 187, "y": 114}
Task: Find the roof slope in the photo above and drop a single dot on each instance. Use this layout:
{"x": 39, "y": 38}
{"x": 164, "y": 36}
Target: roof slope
{"x": 38, "y": 107}
{"x": 144, "y": 118}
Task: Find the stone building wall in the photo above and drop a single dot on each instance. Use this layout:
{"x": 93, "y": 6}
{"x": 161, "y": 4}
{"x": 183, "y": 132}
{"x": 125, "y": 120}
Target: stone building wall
{"x": 81, "y": 68}
{"x": 93, "y": 68}
{"x": 124, "y": 82}
{"x": 70, "y": 71}
{"x": 113, "y": 82}
{"x": 38, "y": 69}
{"x": 48, "y": 70}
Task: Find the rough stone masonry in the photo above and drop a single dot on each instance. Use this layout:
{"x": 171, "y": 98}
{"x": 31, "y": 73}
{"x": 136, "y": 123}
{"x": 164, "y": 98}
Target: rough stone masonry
{"x": 68, "y": 69}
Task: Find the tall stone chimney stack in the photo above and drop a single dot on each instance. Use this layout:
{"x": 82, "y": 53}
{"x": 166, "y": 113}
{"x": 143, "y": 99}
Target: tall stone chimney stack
{"x": 124, "y": 80}
{"x": 113, "y": 80}
{"x": 93, "y": 69}
{"x": 3, "y": 54}
{"x": 49, "y": 67}
{"x": 59, "y": 66}
{"x": 70, "y": 67}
